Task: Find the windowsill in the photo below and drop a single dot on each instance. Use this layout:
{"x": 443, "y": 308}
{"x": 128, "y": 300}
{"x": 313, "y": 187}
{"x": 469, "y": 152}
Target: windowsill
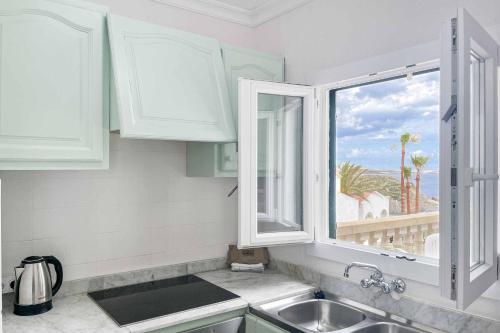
{"x": 421, "y": 270}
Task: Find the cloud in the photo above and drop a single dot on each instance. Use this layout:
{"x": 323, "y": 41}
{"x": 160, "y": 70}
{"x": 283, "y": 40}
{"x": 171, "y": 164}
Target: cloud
{"x": 370, "y": 119}
{"x": 355, "y": 152}
{"x": 385, "y": 106}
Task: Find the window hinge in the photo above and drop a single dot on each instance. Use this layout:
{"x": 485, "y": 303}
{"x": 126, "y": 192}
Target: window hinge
{"x": 454, "y": 35}
{"x": 453, "y": 282}
{"x": 498, "y": 268}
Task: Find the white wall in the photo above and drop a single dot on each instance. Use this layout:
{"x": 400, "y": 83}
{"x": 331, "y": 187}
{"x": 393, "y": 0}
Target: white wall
{"x": 330, "y": 33}
{"x": 142, "y": 212}
{"x": 329, "y": 40}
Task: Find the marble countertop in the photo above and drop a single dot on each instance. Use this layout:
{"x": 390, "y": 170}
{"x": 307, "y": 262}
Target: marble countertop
{"x": 257, "y": 288}
{"x": 79, "y": 314}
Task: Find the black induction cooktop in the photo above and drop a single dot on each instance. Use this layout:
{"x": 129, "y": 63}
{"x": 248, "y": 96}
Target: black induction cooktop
{"x": 138, "y": 302}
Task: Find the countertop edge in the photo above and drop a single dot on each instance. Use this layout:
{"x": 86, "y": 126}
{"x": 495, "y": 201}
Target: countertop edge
{"x": 187, "y": 316}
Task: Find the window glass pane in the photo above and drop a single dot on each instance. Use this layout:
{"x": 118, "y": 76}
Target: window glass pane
{"x": 279, "y": 161}
{"x": 477, "y": 160}
{"x": 384, "y": 168}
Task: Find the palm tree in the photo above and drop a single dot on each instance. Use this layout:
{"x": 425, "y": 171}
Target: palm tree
{"x": 405, "y": 139}
{"x": 351, "y": 180}
{"x": 407, "y": 176}
{"x": 419, "y": 161}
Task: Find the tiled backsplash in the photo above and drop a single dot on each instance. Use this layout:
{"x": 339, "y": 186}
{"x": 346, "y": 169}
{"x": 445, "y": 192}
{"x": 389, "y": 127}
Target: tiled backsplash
{"x": 142, "y": 212}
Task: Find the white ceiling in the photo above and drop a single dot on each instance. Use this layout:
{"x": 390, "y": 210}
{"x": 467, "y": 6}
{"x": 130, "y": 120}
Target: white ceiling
{"x": 246, "y": 12}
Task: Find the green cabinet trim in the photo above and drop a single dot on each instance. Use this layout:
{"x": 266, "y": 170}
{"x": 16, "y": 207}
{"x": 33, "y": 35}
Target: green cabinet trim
{"x": 221, "y": 159}
{"x": 54, "y": 86}
{"x": 170, "y": 84}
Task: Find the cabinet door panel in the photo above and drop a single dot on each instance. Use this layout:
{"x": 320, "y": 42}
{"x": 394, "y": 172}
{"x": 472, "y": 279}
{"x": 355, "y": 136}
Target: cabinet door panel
{"x": 221, "y": 159}
{"x": 52, "y": 88}
{"x": 252, "y": 65}
{"x": 170, "y": 84}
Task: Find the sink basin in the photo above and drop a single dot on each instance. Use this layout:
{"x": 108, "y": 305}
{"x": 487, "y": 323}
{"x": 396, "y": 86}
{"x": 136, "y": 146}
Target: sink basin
{"x": 322, "y": 315}
{"x": 386, "y": 328}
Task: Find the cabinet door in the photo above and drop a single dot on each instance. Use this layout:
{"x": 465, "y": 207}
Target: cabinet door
{"x": 53, "y": 86}
{"x": 221, "y": 159}
{"x": 250, "y": 65}
{"x": 169, "y": 84}
{"x": 254, "y": 324}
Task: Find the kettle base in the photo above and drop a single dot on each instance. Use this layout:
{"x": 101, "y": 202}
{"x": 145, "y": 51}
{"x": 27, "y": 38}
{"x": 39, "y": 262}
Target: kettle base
{"x": 31, "y": 310}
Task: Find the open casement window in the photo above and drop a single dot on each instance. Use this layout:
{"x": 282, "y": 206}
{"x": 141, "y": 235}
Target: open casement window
{"x": 275, "y": 163}
{"x": 468, "y": 223}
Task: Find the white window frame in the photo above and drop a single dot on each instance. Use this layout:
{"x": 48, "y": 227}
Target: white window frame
{"x": 248, "y": 91}
{"x": 461, "y": 36}
{"x": 346, "y": 252}
{"x": 430, "y": 270}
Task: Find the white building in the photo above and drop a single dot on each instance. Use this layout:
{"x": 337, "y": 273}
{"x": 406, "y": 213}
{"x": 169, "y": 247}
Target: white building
{"x": 372, "y": 205}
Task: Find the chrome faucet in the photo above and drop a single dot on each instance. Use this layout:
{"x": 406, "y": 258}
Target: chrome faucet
{"x": 377, "y": 279}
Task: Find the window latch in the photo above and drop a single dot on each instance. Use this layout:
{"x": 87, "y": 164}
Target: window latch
{"x": 451, "y": 110}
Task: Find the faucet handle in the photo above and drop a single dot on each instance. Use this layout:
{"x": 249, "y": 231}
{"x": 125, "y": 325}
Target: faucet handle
{"x": 399, "y": 285}
{"x": 366, "y": 283}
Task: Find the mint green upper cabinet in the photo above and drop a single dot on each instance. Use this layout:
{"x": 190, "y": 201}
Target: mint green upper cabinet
{"x": 53, "y": 85}
{"x": 249, "y": 64}
{"x": 221, "y": 159}
{"x": 169, "y": 84}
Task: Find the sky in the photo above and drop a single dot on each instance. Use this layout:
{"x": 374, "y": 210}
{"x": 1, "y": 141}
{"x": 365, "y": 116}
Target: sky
{"x": 370, "y": 120}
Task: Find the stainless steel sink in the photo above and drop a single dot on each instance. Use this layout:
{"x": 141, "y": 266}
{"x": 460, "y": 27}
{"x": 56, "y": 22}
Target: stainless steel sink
{"x": 303, "y": 313}
{"x": 321, "y": 315}
{"x": 386, "y": 328}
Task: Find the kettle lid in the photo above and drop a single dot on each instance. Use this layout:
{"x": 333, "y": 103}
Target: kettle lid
{"x": 33, "y": 260}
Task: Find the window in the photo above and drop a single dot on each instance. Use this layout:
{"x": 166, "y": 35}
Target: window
{"x": 402, "y": 163}
{"x": 469, "y": 99}
{"x": 275, "y": 163}
{"x": 384, "y": 178}
{"x": 279, "y": 160}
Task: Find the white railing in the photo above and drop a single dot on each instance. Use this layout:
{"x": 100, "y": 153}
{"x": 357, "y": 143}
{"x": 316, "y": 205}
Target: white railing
{"x": 401, "y": 232}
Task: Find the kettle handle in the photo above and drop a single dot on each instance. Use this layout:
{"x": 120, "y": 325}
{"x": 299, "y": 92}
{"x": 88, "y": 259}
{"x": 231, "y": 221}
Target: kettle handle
{"x": 59, "y": 272}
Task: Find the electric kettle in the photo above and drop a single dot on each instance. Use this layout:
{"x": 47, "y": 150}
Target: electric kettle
{"x": 33, "y": 285}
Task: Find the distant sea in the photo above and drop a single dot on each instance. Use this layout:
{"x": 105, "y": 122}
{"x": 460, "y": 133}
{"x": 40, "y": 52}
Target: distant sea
{"x": 429, "y": 180}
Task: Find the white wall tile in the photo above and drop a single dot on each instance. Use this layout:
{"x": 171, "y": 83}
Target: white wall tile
{"x": 17, "y": 224}
{"x": 144, "y": 211}
{"x": 17, "y": 192}
{"x": 13, "y": 253}
{"x": 61, "y": 222}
